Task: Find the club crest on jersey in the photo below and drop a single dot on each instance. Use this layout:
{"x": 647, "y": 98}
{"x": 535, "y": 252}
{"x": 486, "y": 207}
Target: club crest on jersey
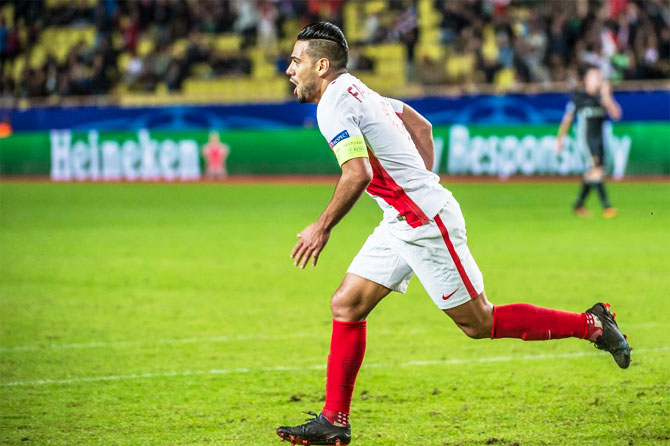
{"x": 339, "y": 137}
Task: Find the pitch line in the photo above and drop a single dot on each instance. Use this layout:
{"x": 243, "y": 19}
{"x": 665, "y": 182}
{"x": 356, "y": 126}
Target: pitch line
{"x": 244, "y": 370}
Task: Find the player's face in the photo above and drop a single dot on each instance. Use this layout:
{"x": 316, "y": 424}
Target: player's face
{"x": 302, "y": 73}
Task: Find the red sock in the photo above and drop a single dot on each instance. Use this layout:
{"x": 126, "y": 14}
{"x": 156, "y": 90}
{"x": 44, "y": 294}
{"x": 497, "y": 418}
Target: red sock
{"x": 347, "y": 348}
{"x": 532, "y": 323}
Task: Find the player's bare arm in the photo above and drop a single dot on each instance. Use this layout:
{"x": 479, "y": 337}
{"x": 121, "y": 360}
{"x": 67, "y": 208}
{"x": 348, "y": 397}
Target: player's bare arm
{"x": 568, "y": 117}
{"x": 356, "y": 175}
{"x": 611, "y": 106}
{"x": 421, "y": 131}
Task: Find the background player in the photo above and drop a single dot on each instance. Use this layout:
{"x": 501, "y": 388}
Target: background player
{"x": 422, "y": 232}
{"x": 591, "y": 106}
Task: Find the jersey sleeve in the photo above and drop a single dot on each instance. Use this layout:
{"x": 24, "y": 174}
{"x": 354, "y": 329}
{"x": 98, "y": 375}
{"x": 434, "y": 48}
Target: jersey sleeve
{"x": 396, "y": 104}
{"x": 571, "y": 107}
{"x": 339, "y": 127}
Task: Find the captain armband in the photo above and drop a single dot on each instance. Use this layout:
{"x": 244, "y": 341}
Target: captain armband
{"x": 348, "y": 147}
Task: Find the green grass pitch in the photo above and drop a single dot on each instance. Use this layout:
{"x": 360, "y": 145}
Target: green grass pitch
{"x": 140, "y": 314}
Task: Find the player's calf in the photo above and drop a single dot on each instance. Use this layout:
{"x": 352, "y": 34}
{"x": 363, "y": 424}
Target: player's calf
{"x": 474, "y": 318}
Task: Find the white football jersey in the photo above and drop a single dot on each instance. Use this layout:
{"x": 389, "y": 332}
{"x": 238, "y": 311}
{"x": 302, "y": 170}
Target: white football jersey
{"x": 358, "y": 122}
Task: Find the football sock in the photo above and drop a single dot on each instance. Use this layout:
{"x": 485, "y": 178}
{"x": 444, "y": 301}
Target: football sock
{"x": 532, "y": 323}
{"x": 583, "y": 193}
{"x": 347, "y": 349}
{"x": 602, "y": 192}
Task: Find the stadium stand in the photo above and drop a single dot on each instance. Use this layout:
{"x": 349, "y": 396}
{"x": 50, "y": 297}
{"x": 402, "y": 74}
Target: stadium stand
{"x": 237, "y": 50}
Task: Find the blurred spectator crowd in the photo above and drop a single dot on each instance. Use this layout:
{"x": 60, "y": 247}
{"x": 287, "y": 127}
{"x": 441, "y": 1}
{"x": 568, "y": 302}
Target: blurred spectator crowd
{"x": 142, "y": 45}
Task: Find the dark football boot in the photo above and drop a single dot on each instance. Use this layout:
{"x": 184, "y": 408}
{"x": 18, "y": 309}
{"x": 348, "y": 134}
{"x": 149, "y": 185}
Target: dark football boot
{"x": 317, "y": 431}
{"x": 611, "y": 339}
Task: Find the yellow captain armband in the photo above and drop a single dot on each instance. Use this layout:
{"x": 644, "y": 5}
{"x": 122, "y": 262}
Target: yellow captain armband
{"x": 348, "y": 147}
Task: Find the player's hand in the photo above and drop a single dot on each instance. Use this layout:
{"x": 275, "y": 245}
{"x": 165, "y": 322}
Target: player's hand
{"x": 559, "y": 144}
{"x": 312, "y": 241}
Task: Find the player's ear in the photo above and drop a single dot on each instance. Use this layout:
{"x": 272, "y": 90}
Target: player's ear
{"x": 322, "y": 66}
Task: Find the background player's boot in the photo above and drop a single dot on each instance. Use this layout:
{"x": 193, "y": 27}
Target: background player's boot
{"x": 317, "y": 431}
{"x": 611, "y": 339}
{"x": 609, "y": 212}
{"x": 581, "y": 211}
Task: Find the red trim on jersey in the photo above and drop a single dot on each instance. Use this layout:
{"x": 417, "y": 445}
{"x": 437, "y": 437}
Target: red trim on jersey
{"x": 454, "y": 256}
{"x": 385, "y": 187}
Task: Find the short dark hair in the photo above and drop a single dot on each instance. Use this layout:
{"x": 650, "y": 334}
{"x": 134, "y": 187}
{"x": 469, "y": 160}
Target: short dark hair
{"x": 585, "y": 68}
{"x": 326, "y": 40}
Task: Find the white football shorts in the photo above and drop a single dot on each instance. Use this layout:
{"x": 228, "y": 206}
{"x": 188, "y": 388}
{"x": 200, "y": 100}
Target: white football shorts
{"x": 436, "y": 252}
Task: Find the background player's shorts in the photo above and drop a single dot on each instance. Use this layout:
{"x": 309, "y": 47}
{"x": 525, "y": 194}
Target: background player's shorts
{"x": 593, "y": 152}
{"x": 436, "y": 252}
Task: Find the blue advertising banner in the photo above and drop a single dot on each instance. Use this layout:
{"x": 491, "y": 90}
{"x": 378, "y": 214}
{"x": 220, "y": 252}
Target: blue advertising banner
{"x": 546, "y": 108}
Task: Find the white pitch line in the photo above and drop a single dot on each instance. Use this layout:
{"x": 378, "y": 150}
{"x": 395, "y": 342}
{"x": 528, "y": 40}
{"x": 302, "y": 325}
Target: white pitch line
{"x": 244, "y": 370}
{"x": 214, "y": 339}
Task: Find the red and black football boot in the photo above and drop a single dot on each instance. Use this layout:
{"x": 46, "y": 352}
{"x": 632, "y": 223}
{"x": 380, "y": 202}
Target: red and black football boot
{"x": 317, "y": 431}
{"x": 611, "y": 339}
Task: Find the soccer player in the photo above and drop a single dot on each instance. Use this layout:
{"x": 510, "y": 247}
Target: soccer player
{"x": 592, "y": 105}
{"x": 385, "y": 147}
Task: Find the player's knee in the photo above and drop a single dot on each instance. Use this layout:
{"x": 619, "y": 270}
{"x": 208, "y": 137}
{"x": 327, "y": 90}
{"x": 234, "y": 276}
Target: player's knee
{"x": 594, "y": 175}
{"x": 344, "y": 307}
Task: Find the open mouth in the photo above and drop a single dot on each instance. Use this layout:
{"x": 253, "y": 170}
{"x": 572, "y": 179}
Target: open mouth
{"x": 295, "y": 90}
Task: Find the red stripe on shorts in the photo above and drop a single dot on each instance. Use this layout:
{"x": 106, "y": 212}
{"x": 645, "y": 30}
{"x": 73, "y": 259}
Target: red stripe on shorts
{"x": 455, "y": 258}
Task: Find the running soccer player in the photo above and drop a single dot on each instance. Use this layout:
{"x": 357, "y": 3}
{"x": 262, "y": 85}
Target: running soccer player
{"x": 592, "y": 105}
{"x": 385, "y": 147}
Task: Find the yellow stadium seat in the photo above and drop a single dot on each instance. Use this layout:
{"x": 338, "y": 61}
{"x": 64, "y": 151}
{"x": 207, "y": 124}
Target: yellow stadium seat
{"x": 202, "y": 70}
{"x": 123, "y": 62}
{"x": 145, "y": 46}
{"x": 431, "y": 51}
{"x": 37, "y": 56}
{"x": 504, "y": 79}
{"x": 60, "y": 52}
{"x": 426, "y": 8}
{"x": 353, "y": 25}
{"x": 7, "y": 13}
{"x": 179, "y": 47}
{"x": 459, "y": 65}
{"x": 374, "y": 6}
{"x": 19, "y": 62}
{"x": 228, "y": 42}
{"x": 263, "y": 71}
{"x": 87, "y": 35}
{"x": 431, "y": 35}
{"x": 428, "y": 21}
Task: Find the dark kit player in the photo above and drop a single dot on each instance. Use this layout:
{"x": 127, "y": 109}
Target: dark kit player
{"x": 385, "y": 148}
{"x": 589, "y": 109}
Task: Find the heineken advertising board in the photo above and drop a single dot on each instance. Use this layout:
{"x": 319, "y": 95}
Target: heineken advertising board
{"x": 500, "y": 150}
